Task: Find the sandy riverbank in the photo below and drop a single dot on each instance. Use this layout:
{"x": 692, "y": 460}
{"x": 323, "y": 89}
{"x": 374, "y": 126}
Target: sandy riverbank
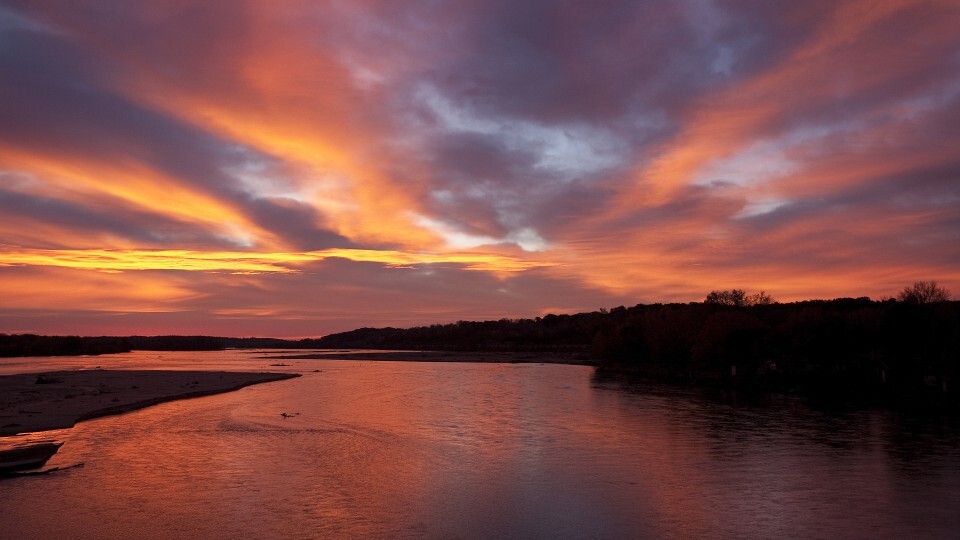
{"x": 63, "y": 398}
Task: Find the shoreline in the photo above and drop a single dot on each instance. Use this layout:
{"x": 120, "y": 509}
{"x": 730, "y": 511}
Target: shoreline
{"x": 479, "y": 357}
{"x": 31, "y": 402}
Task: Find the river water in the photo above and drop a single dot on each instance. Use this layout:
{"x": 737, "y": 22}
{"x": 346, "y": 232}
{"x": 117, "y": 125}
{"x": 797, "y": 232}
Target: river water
{"x": 452, "y": 450}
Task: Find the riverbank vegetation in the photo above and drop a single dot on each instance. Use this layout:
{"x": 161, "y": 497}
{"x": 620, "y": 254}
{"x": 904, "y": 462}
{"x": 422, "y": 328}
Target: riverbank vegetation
{"x": 36, "y": 345}
{"x": 904, "y": 346}
{"x": 832, "y": 341}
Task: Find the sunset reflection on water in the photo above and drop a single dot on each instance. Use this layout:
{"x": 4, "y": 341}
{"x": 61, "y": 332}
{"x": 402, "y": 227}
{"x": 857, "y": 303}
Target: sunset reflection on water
{"x": 443, "y": 450}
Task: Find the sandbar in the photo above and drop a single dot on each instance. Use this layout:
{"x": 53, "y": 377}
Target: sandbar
{"x": 60, "y": 399}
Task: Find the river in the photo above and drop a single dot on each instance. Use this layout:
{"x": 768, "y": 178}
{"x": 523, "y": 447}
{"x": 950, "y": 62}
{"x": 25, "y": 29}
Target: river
{"x": 456, "y": 450}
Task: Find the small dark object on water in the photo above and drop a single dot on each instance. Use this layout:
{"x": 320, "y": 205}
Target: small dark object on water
{"x": 31, "y": 456}
{"x": 44, "y": 380}
{"x": 11, "y": 474}
{"x": 279, "y": 365}
{"x": 287, "y": 415}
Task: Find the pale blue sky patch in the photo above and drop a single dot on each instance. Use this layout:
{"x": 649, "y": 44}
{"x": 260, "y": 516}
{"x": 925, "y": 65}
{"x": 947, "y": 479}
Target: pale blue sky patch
{"x": 570, "y": 152}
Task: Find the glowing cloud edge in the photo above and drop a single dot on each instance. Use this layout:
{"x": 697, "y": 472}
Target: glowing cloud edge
{"x": 109, "y": 260}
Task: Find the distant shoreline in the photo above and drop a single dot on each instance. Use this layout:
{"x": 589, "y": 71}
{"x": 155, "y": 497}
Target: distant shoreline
{"x": 485, "y": 357}
{"x": 57, "y": 400}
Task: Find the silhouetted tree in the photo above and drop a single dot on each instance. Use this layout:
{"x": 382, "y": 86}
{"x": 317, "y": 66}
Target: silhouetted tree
{"x": 734, "y": 297}
{"x": 759, "y": 299}
{"x": 924, "y": 292}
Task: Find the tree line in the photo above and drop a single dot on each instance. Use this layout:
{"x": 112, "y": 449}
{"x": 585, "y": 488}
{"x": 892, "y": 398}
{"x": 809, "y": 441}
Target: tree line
{"x": 910, "y": 343}
{"x": 37, "y": 345}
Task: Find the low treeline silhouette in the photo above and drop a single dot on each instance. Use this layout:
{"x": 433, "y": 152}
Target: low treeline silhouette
{"x": 213, "y": 343}
{"x": 550, "y": 333}
{"x": 904, "y": 347}
{"x": 36, "y": 345}
{"x": 843, "y": 345}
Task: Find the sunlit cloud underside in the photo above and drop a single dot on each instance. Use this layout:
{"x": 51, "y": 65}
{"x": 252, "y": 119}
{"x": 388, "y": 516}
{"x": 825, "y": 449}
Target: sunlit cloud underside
{"x": 252, "y": 263}
{"x": 338, "y": 164}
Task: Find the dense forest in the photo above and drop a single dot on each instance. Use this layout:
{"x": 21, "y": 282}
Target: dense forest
{"x": 710, "y": 338}
{"x": 840, "y": 345}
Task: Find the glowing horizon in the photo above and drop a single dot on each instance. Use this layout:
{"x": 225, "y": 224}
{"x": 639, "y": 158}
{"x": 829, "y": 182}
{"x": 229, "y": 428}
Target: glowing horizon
{"x": 226, "y": 166}
{"x": 251, "y": 263}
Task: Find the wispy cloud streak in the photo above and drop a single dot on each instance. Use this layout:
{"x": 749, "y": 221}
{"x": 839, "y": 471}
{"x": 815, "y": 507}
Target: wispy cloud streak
{"x": 253, "y": 263}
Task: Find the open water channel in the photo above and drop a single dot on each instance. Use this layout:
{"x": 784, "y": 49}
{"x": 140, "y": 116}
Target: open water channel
{"x": 455, "y": 450}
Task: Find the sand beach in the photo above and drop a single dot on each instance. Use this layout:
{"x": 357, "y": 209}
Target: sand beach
{"x": 57, "y": 400}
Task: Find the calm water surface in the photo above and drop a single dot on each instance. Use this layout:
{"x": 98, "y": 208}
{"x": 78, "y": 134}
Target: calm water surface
{"x": 442, "y": 450}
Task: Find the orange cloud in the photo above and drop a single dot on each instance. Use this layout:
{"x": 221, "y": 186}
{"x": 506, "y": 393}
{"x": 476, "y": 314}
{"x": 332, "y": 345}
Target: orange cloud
{"x": 283, "y": 94}
{"x": 248, "y": 262}
{"x": 286, "y": 129}
{"x": 839, "y": 61}
{"x": 64, "y": 289}
{"x": 127, "y": 182}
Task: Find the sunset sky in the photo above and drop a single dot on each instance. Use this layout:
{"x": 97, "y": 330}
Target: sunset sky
{"x": 295, "y": 168}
